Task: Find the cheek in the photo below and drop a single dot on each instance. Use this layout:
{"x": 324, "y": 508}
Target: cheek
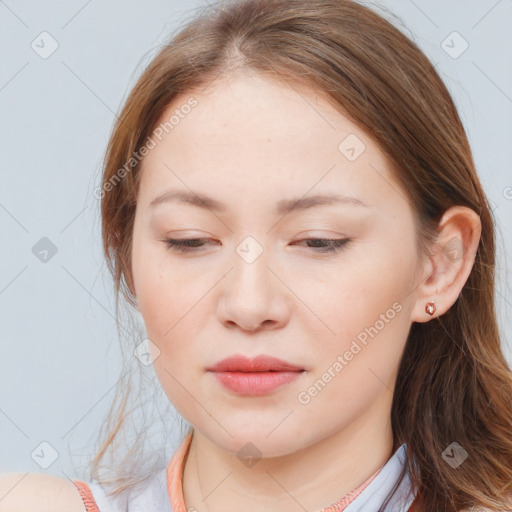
{"x": 360, "y": 362}
{"x": 173, "y": 305}
{"x": 163, "y": 293}
{"x": 366, "y": 308}
{"x": 166, "y": 304}
{"x": 167, "y": 307}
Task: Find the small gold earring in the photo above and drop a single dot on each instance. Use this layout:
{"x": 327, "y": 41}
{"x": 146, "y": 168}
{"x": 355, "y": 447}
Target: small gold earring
{"x": 430, "y": 308}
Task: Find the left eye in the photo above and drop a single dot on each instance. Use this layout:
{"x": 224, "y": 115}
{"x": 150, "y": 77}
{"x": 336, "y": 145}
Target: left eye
{"x": 184, "y": 244}
{"x": 331, "y": 245}
{"x": 322, "y": 245}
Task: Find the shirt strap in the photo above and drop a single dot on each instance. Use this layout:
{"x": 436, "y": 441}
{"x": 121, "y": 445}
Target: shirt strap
{"x": 86, "y": 495}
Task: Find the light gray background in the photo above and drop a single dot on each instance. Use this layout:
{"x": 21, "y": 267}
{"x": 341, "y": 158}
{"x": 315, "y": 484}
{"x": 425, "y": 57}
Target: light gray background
{"x": 60, "y": 356}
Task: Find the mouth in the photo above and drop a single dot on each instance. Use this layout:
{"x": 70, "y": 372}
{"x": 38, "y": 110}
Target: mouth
{"x": 262, "y": 363}
{"x": 258, "y": 376}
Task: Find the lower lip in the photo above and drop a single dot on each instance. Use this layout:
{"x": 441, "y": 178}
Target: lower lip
{"x": 255, "y": 383}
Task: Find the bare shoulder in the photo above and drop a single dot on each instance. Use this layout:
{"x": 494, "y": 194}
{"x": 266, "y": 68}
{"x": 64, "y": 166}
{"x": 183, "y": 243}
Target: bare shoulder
{"x": 38, "y": 492}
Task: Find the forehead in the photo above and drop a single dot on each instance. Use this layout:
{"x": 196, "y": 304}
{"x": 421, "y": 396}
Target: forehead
{"x": 249, "y": 134}
{"x": 248, "y": 108}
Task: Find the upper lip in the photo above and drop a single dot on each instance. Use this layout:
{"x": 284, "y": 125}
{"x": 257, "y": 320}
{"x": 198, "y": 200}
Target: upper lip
{"x": 262, "y": 363}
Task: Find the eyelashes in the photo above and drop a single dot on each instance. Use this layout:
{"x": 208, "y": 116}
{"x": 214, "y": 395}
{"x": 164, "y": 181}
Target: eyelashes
{"x": 190, "y": 245}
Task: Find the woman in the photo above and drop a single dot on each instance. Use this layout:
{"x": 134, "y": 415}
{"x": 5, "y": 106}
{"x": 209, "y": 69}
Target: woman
{"x": 290, "y": 201}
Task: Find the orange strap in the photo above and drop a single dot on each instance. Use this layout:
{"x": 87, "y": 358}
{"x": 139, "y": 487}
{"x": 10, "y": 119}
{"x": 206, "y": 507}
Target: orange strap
{"x": 86, "y": 495}
{"x": 346, "y": 500}
{"x": 91, "y": 506}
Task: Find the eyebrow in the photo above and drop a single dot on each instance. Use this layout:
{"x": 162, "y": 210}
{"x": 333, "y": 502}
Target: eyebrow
{"x": 283, "y": 206}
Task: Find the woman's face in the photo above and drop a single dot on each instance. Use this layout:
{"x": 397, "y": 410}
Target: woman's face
{"x": 253, "y": 284}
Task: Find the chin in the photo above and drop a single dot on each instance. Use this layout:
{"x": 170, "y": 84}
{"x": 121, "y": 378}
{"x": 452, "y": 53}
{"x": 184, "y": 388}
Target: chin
{"x": 255, "y": 441}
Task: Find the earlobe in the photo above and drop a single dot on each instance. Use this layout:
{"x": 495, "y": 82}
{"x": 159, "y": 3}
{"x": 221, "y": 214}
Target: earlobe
{"x": 449, "y": 263}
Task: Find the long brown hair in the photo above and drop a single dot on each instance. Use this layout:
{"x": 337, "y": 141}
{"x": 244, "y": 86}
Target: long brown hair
{"x": 454, "y": 384}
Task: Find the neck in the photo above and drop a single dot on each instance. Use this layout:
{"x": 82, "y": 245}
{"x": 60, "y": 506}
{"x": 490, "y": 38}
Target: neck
{"x": 310, "y": 479}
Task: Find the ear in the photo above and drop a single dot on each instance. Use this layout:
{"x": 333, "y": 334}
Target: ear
{"x": 446, "y": 269}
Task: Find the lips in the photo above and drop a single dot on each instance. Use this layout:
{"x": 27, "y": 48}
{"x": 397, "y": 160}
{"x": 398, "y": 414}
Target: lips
{"x": 258, "y": 376}
{"x": 263, "y": 363}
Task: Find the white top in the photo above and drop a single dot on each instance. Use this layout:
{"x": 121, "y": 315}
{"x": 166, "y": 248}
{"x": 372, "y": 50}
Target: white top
{"x": 155, "y": 496}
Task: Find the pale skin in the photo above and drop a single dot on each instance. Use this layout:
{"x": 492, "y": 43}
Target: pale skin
{"x": 250, "y": 143}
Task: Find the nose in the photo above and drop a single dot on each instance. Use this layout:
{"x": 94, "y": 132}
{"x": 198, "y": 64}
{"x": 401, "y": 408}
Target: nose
{"x": 253, "y": 297}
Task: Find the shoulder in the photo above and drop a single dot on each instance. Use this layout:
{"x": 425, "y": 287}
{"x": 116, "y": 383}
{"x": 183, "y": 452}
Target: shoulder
{"x": 39, "y": 493}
